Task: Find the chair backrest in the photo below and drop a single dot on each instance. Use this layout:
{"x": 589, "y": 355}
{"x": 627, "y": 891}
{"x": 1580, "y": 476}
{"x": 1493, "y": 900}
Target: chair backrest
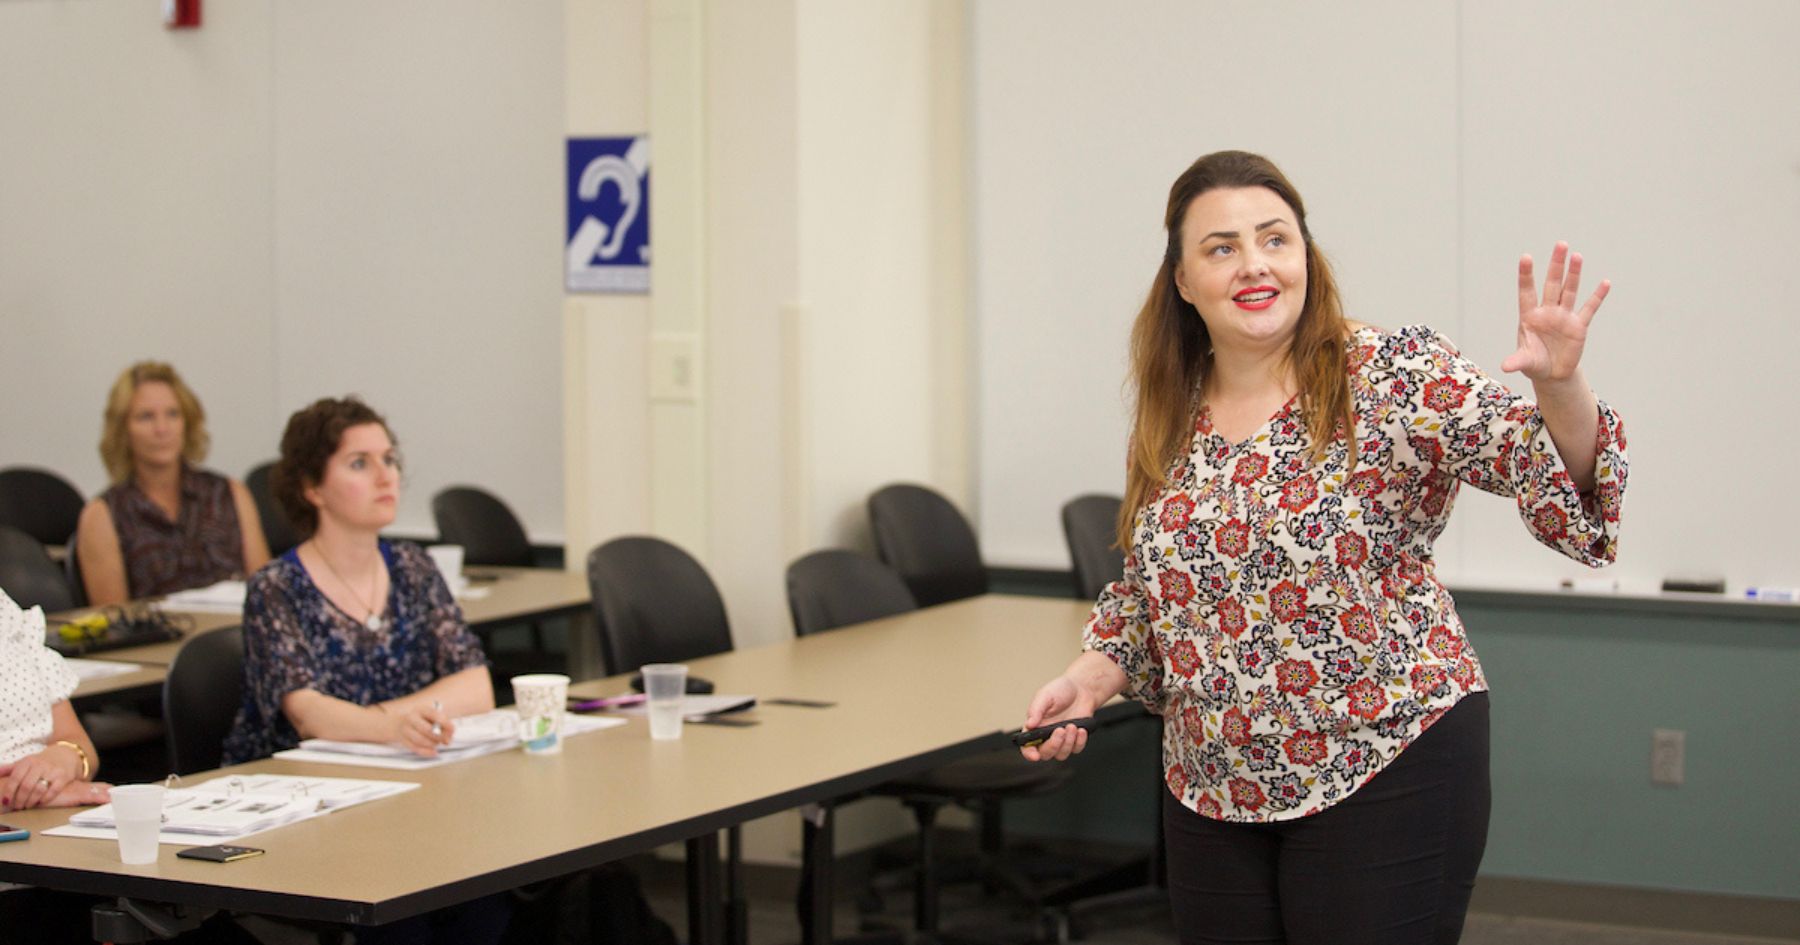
{"x": 653, "y": 603}
{"x": 836, "y": 588}
{"x": 487, "y": 530}
{"x": 922, "y": 536}
{"x": 201, "y": 696}
{"x": 72, "y": 576}
{"x": 28, "y": 575}
{"x": 277, "y": 531}
{"x": 1090, "y": 524}
{"x": 39, "y": 503}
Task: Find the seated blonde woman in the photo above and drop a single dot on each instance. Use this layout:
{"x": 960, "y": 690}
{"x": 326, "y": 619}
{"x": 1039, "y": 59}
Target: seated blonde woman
{"x": 165, "y": 525}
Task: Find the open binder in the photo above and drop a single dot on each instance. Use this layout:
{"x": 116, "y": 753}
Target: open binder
{"x": 235, "y": 806}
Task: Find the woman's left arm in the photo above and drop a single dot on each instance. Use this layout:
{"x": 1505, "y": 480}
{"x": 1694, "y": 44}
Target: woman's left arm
{"x": 256, "y": 545}
{"x": 1552, "y": 336}
{"x": 468, "y": 692}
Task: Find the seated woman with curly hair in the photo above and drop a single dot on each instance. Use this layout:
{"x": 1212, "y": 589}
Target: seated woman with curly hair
{"x": 350, "y": 637}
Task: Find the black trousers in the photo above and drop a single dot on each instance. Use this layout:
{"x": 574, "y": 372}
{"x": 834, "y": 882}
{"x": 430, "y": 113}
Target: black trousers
{"x": 1394, "y": 863}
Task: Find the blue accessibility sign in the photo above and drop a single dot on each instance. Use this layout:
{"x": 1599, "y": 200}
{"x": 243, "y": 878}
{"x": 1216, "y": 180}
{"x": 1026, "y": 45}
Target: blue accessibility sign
{"x": 608, "y": 238}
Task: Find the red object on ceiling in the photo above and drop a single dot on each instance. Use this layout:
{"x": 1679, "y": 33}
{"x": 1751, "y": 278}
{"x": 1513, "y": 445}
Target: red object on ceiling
{"x": 181, "y": 14}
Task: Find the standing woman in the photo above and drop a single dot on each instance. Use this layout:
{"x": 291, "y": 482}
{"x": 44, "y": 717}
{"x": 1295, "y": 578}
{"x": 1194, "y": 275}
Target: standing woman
{"x": 165, "y": 525}
{"x": 1325, "y": 719}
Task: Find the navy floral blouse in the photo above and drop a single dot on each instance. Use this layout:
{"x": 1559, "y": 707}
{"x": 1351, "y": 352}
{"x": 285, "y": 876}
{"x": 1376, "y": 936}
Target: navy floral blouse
{"x": 1284, "y": 615}
{"x": 294, "y": 638}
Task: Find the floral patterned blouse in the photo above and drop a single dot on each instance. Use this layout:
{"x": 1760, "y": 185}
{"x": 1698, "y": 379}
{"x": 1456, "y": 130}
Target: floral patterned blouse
{"x": 294, "y": 638}
{"x": 1284, "y": 616}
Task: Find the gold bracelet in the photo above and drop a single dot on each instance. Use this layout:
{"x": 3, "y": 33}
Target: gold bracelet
{"x": 87, "y": 768}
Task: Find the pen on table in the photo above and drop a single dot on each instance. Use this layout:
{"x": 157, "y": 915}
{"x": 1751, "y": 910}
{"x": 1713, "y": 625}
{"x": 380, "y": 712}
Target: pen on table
{"x": 437, "y": 727}
{"x": 610, "y": 702}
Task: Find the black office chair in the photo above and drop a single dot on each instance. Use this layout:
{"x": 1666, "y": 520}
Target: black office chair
{"x": 653, "y": 603}
{"x": 276, "y": 530}
{"x": 922, "y": 536}
{"x": 39, "y": 503}
{"x": 487, "y": 530}
{"x": 201, "y": 696}
{"x": 834, "y": 588}
{"x": 489, "y": 534}
{"x": 28, "y": 575}
{"x": 1090, "y": 524}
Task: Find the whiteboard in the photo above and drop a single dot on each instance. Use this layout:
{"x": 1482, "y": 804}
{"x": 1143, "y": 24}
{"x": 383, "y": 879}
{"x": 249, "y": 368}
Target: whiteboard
{"x": 1432, "y": 151}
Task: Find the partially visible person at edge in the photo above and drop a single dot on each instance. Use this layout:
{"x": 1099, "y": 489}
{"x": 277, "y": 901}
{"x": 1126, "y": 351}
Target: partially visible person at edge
{"x": 350, "y": 637}
{"x": 1325, "y": 719}
{"x": 46, "y": 760}
{"x": 165, "y": 524}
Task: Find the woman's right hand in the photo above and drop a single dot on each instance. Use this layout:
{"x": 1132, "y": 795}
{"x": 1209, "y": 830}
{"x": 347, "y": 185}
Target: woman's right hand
{"x": 1060, "y": 698}
{"x": 422, "y": 728}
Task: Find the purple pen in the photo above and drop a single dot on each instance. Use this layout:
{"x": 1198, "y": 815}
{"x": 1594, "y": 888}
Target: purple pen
{"x": 609, "y": 702}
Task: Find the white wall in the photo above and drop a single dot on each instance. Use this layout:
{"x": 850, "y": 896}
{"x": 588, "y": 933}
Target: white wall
{"x": 136, "y": 221}
{"x": 294, "y": 201}
{"x": 1434, "y": 143}
{"x": 804, "y": 153}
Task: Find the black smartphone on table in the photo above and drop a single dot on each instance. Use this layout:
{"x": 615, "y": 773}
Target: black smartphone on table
{"x": 219, "y": 853}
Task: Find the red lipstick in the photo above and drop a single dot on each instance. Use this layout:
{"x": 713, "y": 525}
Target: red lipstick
{"x": 1256, "y": 305}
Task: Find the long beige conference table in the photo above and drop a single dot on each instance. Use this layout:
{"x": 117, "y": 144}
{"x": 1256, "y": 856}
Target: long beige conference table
{"x": 909, "y": 693}
{"x": 506, "y": 595}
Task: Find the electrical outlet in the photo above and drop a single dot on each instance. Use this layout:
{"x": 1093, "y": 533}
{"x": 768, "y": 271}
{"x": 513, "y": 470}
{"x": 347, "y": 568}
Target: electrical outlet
{"x": 1668, "y": 757}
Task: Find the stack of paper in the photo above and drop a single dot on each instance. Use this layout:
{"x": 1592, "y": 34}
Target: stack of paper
{"x": 225, "y": 597}
{"x": 98, "y": 669}
{"x": 474, "y": 736}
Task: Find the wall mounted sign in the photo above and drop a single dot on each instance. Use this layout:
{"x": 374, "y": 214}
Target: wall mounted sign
{"x": 608, "y": 236}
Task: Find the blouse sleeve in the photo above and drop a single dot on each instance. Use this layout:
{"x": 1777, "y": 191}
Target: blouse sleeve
{"x": 457, "y": 647}
{"x": 59, "y": 678}
{"x": 278, "y": 657}
{"x": 1470, "y": 426}
{"x": 1121, "y": 628}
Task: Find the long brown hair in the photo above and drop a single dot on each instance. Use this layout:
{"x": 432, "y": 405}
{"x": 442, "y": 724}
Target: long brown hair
{"x": 1171, "y": 352}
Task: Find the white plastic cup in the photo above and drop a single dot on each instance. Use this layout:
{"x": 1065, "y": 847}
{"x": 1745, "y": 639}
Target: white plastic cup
{"x": 665, "y": 689}
{"x": 449, "y": 561}
{"x": 541, "y": 699}
{"x": 137, "y": 816}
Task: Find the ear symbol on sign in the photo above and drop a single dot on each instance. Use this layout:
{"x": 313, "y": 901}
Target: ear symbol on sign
{"x": 607, "y": 241}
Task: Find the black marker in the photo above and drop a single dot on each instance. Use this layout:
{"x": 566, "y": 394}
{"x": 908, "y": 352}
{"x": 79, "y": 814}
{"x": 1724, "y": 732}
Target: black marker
{"x": 1036, "y": 736}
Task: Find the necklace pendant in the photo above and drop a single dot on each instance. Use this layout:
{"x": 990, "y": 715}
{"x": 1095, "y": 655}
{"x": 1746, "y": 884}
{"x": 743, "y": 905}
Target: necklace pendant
{"x": 373, "y": 623}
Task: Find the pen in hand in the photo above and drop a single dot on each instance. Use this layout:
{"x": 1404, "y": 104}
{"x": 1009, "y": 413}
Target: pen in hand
{"x": 437, "y": 726}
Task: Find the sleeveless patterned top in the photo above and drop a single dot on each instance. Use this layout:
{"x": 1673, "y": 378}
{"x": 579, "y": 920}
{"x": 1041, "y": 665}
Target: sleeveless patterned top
{"x": 204, "y": 545}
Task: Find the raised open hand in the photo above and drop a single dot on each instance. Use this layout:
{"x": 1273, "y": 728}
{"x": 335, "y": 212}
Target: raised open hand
{"x": 1552, "y": 332}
